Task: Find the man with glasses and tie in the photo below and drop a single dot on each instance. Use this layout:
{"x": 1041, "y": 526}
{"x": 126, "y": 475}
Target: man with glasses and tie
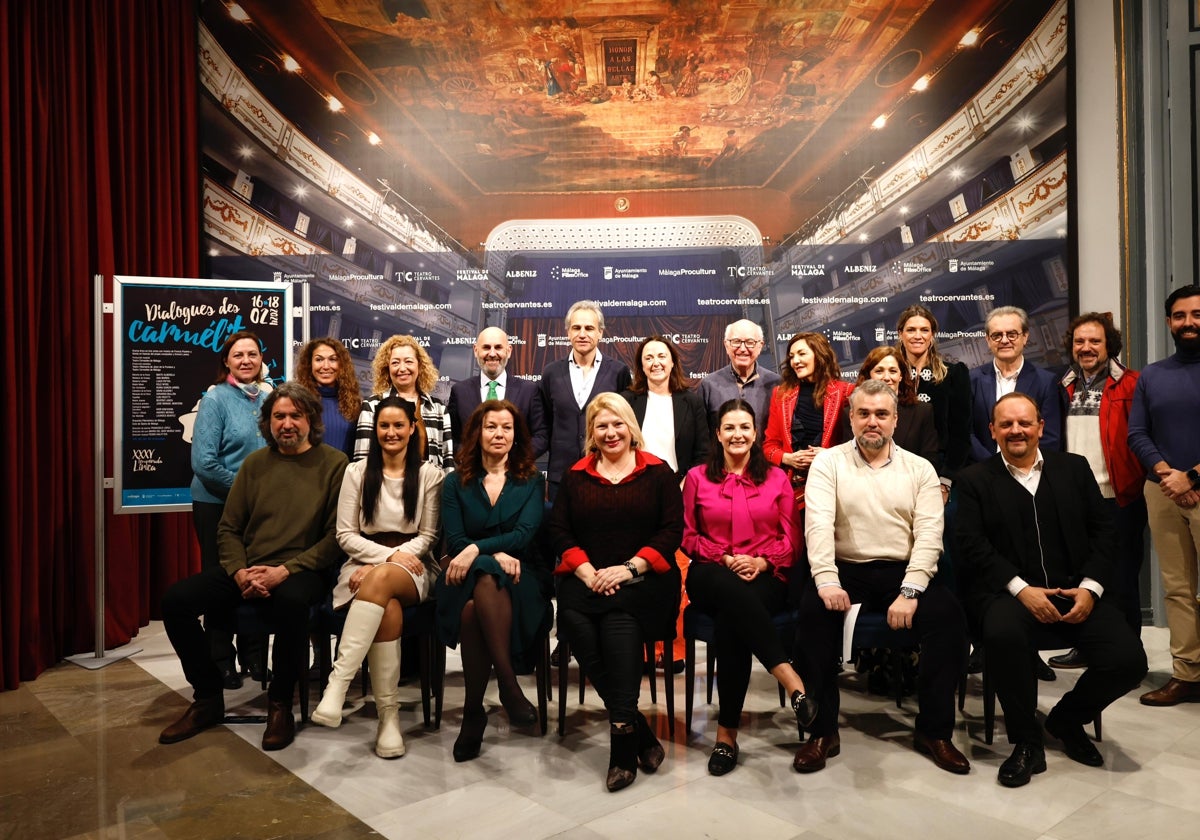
{"x": 1007, "y": 329}
{"x": 744, "y": 378}
{"x": 492, "y": 352}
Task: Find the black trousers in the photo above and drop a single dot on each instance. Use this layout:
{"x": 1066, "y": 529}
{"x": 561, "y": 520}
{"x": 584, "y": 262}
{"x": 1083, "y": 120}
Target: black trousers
{"x": 610, "y": 649}
{"x": 1118, "y": 663}
{"x": 214, "y": 594}
{"x": 743, "y": 613}
{"x": 1130, "y": 522}
{"x": 939, "y": 624}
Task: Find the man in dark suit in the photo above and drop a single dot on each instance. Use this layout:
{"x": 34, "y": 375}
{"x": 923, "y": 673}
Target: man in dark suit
{"x": 1007, "y": 334}
{"x": 569, "y": 384}
{"x": 492, "y": 352}
{"x": 1037, "y": 541}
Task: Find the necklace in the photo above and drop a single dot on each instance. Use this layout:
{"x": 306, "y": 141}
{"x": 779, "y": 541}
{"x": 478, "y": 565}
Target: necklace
{"x": 614, "y": 473}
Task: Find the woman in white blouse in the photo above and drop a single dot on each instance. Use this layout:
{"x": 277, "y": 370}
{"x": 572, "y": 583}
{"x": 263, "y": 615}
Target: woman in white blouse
{"x": 388, "y": 518}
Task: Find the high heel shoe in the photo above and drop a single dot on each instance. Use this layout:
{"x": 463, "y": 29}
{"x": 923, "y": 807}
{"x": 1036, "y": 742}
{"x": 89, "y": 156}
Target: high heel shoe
{"x": 806, "y": 710}
{"x": 650, "y": 752}
{"x": 623, "y": 758}
{"x": 470, "y": 736}
{"x": 518, "y": 708}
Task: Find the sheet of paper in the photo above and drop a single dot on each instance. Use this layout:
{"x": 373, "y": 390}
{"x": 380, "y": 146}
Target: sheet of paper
{"x": 848, "y": 630}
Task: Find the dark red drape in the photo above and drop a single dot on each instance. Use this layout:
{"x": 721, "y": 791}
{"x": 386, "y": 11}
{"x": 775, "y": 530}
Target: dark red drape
{"x": 100, "y": 172}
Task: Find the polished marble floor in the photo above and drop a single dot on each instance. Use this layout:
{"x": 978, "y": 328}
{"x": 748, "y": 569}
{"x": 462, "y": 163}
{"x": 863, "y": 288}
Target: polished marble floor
{"x": 79, "y": 757}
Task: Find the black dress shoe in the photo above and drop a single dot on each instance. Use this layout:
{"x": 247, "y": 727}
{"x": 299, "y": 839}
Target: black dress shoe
{"x": 281, "y": 726}
{"x": 259, "y": 672}
{"x": 805, "y": 709}
{"x": 1044, "y": 672}
{"x": 470, "y": 736}
{"x": 1069, "y": 660}
{"x": 230, "y": 678}
{"x": 201, "y": 715}
{"x": 811, "y": 757}
{"x": 518, "y": 708}
{"x": 943, "y": 752}
{"x": 1077, "y": 745}
{"x": 1019, "y": 768}
{"x": 722, "y": 759}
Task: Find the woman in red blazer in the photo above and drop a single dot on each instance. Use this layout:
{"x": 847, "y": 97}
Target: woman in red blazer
{"x": 803, "y": 416}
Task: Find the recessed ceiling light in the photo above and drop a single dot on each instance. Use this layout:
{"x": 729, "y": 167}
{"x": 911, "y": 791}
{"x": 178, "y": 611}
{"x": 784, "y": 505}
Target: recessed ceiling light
{"x": 290, "y": 64}
{"x": 335, "y": 104}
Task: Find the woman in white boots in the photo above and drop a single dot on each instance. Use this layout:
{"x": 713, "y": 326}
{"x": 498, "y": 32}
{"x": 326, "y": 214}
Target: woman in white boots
{"x": 388, "y": 517}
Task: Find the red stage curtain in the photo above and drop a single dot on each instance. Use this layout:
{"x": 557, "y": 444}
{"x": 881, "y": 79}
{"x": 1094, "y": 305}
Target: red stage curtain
{"x": 100, "y": 163}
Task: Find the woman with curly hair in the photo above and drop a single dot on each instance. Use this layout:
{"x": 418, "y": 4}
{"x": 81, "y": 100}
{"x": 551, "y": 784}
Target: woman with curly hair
{"x": 403, "y": 369}
{"x": 803, "y": 415}
{"x": 324, "y": 366}
{"x": 494, "y": 596}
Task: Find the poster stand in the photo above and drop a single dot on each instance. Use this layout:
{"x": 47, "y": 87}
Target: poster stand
{"x": 100, "y": 657}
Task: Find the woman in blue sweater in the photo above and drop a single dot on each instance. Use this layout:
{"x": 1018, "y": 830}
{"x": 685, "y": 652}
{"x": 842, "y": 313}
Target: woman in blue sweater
{"x": 225, "y": 432}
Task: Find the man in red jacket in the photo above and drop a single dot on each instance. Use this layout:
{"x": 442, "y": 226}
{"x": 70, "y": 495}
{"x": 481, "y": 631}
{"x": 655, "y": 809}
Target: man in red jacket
{"x": 1099, "y": 396}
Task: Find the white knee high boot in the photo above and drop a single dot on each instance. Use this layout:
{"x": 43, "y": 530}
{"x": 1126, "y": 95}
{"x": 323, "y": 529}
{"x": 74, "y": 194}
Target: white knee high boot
{"x": 362, "y": 622}
{"x": 383, "y": 660}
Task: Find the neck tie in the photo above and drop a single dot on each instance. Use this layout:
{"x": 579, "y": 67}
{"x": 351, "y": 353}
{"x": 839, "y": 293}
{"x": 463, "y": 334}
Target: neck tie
{"x": 491, "y": 395}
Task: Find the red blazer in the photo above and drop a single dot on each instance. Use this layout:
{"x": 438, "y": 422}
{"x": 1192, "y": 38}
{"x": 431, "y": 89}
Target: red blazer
{"x": 778, "y": 439}
{"x": 1125, "y": 471}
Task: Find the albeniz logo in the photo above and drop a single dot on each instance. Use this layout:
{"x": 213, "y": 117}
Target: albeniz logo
{"x": 519, "y": 273}
{"x": 860, "y": 269}
{"x": 145, "y": 460}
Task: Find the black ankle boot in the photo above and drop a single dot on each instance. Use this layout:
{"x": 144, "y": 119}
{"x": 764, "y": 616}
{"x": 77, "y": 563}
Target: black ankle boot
{"x": 806, "y": 711}
{"x": 470, "y": 736}
{"x": 650, "y": 752}
{"x": 622, "y": 756}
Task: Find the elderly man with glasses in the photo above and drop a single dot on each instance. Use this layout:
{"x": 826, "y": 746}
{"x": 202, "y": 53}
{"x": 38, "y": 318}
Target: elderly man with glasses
{"x": 744, "y": 378}
{"x": 1007, "y": 329}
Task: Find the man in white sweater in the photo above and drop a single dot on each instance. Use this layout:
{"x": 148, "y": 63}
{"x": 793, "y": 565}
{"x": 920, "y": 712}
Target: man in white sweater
{"x": 873, "y": 528}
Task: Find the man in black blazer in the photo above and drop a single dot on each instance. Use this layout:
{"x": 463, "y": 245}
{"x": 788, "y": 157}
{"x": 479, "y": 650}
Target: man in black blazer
{"x": 569, "y": 384}
{"x": 1007, "y": 334}
{"x": 1035, "y": 543}
{"x": 492, "y": 352}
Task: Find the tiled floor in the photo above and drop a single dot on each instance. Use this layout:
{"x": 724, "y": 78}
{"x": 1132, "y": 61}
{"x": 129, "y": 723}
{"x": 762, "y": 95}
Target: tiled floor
{"x": 79, "y": 758}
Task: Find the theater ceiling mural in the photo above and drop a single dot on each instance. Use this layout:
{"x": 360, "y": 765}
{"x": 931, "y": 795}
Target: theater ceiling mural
{"x": 461, "y": 103}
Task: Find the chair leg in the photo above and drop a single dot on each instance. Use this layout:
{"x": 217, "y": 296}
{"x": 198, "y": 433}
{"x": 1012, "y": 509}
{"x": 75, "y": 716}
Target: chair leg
{"x": 653, "y": 671}
{"x": 543, "y": 684}
{"x": 1096, "y": 724}
{"x": 426, "y": 664}
{"x": 302, "y": 685}
{"x": 669, "y": 690}
{"x": 989, "y": 706}
{"x": 564, "y": 659}
{"x": 689, "y": 681}
{"x": 712, "y": 671}
{"x": 439, "y": 681}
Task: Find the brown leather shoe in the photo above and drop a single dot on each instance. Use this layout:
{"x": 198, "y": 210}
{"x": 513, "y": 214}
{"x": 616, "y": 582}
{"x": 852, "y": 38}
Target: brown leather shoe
{"x": 944, "y": 754}
{"x": 811, "y": 756}
{"x": 201, "y": 715}
{"x": 281, "y": 726}
{"x": 1176, "y": 691}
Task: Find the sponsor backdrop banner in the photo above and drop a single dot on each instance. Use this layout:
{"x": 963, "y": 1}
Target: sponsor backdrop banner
{"x": 167, "y": 339}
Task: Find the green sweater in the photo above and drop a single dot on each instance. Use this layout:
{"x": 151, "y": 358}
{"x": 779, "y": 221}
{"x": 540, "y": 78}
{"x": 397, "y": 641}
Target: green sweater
{"x": 282, "y": 510}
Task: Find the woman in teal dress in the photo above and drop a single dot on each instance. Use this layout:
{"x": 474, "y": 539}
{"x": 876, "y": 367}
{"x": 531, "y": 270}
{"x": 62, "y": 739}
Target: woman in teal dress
{"x": 494, "y": 595}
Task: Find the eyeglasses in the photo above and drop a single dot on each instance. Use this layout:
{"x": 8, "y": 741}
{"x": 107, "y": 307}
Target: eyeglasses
{"x": 1010, "y": 336}
{"x": 748, "y": 343}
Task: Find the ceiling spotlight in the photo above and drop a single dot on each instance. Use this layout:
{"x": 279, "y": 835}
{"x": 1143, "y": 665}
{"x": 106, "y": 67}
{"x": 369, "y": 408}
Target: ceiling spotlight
{"x": 348, "y": 222}
{"x": 921, "y": 83}
{"x": 970, "y": 39}
{"x": 290, "y": 64}
{"x": 879, "y": 122}
{"x": 238, "y": 13}
{"x": 300, "y": 191}
{"x": 1026, "y": 123}
{"x": 335, "y": 104}
{"x": 245, "y": 152}
{"x": 391, "y": 249}
{"x": 956, "y": 173}
{"x": 373, "y": 139}
{"x": 904, "y": 209}
{"x": 864, "y": 237}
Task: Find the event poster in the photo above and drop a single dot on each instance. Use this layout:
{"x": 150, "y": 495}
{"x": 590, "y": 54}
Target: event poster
{"x": 167, "y": 338}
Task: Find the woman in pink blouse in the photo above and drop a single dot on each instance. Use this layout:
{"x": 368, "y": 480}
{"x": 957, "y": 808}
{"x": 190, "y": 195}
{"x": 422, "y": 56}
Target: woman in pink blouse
{"x": 742, "y": 533}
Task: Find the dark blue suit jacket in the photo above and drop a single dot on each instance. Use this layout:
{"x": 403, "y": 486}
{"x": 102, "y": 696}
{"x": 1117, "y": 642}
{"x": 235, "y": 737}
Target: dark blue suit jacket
{"x": 564, "y": 418}
{"x": 465, "y": 398}
{"x": 1038, "y": 383}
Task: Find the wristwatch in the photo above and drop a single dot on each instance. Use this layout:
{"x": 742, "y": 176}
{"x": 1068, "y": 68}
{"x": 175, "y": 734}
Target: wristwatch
{"x": 632, "y": 568}
{"x": 910, "y": 592}
{"x": 1194, "y": 476}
